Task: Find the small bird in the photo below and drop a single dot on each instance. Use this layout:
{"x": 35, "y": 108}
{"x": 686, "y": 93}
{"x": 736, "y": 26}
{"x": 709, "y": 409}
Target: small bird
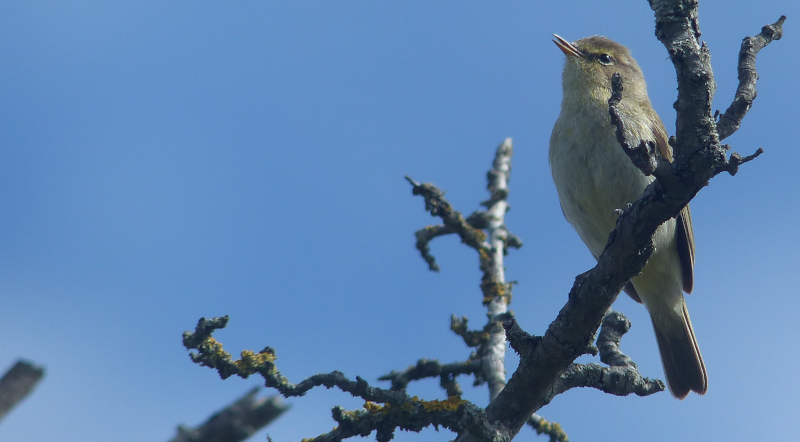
{"x": 596, "y": 179}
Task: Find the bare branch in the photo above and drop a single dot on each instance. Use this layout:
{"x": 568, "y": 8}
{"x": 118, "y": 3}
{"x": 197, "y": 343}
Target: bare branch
{"x": 746, "y": 92}
{"x": 677, "y": 27}
{"x": 622, "y": 377}
{"x": 236, "y": 422}
{"x": 615, "y": 324}
{"x": 736, "y": 160}
{"x": 619, "y": 381}
{"x": 431, "y": 368}
{"x": 644, "y": 155}
{"x": 18, "y": 382}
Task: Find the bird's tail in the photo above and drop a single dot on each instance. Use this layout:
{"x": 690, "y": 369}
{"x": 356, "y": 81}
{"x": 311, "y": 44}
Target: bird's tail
{"x": 680, "y": 355}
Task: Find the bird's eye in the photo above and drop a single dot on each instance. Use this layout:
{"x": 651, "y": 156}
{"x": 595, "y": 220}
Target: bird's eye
{"x": 605, "y": 59}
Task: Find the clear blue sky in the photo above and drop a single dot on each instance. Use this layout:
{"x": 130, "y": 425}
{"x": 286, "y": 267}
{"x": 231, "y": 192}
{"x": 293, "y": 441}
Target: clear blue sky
{"x": 163, "y": 161}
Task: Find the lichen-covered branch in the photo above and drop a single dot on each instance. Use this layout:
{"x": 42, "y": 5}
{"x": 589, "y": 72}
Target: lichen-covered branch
{"x": 18, "y": 382}
{"x": 478, "y": 220}
{"x": 473, "y": 338}
{"x": 424, "y": 238}
{"x": 437, "y": 205}
{"x": 384, "y": 419}
{"x": 236, "y": 422}
{"x": 385, "y": 410}
{"x": 552, "y": 429}
{"x": 491, "y": 248}
{"x": 698, "y": 157}
{"x": 431, "y": 368}
{"x": 746, "y": 91}
{"x": 497, "y": 293}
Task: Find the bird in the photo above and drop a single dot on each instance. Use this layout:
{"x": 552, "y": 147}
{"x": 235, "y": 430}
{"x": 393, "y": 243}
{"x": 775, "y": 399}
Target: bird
{"x": 595, "y": 180}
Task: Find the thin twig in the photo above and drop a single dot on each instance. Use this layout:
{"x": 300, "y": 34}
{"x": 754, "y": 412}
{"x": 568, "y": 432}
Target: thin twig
{"x": 552, "y": 429}
{"x": 431, "y": 368}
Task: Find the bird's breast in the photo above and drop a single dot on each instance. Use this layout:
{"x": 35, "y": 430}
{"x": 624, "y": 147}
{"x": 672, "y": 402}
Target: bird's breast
{"x": 593, "y": 176}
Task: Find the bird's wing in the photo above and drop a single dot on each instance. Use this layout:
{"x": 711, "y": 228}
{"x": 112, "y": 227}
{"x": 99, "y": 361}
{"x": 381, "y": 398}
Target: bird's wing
{"x": 683, "y": 224}
{"x": 631, "y": 291}
{"x": 685, "y": 237}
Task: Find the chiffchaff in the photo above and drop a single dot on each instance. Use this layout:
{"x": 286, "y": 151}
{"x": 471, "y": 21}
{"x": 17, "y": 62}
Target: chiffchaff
{"x": 595, "y": 178}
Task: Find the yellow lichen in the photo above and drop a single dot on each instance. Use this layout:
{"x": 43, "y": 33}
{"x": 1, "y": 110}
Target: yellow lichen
{"x": 409, "y": 406}
{"x": 251, "y": 362}
{"x": 449, "y": 404}
{"x": 374, "y": 408}
{"x": 213, "y": 349}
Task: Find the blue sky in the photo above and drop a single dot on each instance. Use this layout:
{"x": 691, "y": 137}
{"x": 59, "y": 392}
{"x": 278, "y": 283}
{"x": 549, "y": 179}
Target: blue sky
{"x": 163, "y": 161}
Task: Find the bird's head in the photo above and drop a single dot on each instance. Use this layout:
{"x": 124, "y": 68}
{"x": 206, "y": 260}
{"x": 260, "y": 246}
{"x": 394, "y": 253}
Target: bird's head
{"x": 591, "y": 62}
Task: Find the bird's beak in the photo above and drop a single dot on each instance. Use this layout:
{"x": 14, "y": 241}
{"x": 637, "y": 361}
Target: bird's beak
{"x": 566, "y": 47}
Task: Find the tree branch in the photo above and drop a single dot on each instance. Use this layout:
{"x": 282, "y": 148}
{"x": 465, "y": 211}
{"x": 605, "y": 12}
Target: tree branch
{"x": 622, "y": 377}
{"x": 644, "y": 155}
{"x": 426, "y": 368}
{"x": 473, "y": 338}
{"x": 236, "y": 422}
{"x": 491, "y": 249}
{"x": 496, "y": 293}
{"x": 552, "y": 429}
{"x": 614, "y": 325}
{"x": 398, "y": 410}
{"x": 746, "y": 92}
{"x": 619, "y": 381}
{"x": 438, "y": 206}
{"x": 18, "y": 382}
{"x": 478, "y": 220}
